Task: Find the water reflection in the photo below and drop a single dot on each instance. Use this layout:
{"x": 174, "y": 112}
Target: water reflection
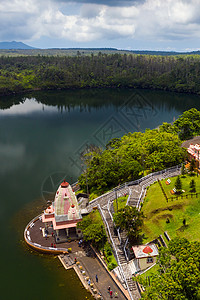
{"x": 27, "y": 106}
{"x": 41, "y": 137}
{"x": 87, "y": 100}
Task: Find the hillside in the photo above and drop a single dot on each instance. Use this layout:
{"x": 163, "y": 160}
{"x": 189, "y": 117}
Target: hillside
{"x": 172, "y": 73}
{"x": 168, "y": 216}
{"x": 14, "y": 45}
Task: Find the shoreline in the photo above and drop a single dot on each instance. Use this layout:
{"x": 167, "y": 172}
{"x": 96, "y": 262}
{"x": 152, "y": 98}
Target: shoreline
{"x": 84, "y": 266}
{"x": 22, "y": 92}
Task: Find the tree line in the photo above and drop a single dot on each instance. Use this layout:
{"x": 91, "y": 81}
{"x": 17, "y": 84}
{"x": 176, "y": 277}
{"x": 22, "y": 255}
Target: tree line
{"x": 127, "y": 158}
{"x": 173, "y": 73}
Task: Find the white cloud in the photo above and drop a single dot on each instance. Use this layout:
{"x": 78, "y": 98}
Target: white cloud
{"x": 169, "y": 19}
{"x": 151, "y": 20}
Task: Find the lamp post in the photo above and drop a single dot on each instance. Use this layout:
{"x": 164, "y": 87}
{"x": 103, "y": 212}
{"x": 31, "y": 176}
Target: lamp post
{"x": 82, "y": 167}
{"x": 116, "y": 199}
{"x": 143, "y": 161}
{"x": 143, "y": 166}
{"x": 87, "y": 182}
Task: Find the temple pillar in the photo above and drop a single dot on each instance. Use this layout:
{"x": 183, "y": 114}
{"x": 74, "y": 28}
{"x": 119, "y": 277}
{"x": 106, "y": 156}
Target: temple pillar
{"x": 57, "y": 232}
{"x": 79, "y": 232}
{"x": 67, "y": 231}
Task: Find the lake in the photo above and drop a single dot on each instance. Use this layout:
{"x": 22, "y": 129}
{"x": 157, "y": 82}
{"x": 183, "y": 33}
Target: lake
{"x": 42, "y": 135}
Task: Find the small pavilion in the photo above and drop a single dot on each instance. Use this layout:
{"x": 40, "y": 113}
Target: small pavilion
{"x": 62, "y": 216}
{"x": 145, "y": 255}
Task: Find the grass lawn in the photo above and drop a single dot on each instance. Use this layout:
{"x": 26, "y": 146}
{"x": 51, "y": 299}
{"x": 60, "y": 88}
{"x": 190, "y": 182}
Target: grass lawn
{"x": 121, "y": 203}
{"x": 96, "y": 217}
{"x": 150, "y": 272}
{"x": 157, "y": 210}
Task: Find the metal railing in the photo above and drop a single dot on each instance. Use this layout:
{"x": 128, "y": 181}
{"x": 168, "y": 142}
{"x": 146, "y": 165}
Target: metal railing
{"x": 125, "y": 250}
{"x": 119, "y": 236}
{"x": 108, "y": 208}
{"x": 29, "y": 241}
{"x": 130, "y": 192}
{"x": 113, "y": 244}
{"x": 126, "y": 185}
{"x": 140, "y": 198}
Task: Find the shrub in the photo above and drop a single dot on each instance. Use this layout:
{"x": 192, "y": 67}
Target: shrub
{"x": 112, "y": 265}
{"x": 192, "y": 186}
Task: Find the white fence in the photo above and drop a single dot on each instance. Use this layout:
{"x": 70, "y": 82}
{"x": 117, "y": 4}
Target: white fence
{"x": 114, "y": 247}
{"x": 124, "y": 188}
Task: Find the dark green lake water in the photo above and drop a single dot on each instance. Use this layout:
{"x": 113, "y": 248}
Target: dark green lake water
{"x": 41, "y": 137}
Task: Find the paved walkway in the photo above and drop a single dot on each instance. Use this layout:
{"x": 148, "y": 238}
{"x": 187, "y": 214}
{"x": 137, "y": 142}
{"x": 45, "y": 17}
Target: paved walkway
{"x": 92, "y": 266}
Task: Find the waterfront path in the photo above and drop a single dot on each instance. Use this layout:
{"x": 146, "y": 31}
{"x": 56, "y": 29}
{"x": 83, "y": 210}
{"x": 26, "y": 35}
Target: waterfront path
{"x": 92, "y": 267}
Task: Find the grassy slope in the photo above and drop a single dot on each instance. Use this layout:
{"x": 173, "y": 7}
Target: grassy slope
{"x": 157, "y": 210}
{"x": 109, "y": 257}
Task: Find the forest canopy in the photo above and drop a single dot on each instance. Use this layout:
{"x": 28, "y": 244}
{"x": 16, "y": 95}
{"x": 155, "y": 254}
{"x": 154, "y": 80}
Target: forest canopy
{"x": 173, "y": 73}
{"x": 126, "y": 159}
{"x": 178, "y": 275}
{"x": 186, "y": 126}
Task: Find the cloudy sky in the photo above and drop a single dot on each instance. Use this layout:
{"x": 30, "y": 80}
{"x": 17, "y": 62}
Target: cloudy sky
{"x": 128, "y": 24}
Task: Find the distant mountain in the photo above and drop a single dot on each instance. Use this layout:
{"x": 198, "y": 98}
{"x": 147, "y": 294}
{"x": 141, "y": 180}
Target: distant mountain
{"x": 14, "y": 45}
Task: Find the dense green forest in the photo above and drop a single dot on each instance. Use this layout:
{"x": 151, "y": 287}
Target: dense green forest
{"x": 126, "y": 159}
{"x": 178, "y": 275}
{"x": 173, "y": 73}
{"x": 186, "y": 126}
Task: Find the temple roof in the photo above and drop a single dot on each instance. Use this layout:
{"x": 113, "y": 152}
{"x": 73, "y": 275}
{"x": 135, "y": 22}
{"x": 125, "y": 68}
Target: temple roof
{"x": 64, "y": 184}
{"x": 65, "y": 204}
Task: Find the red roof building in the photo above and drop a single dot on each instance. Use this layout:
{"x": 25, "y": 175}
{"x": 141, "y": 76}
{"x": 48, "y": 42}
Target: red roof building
{"x": 194, "y": 152}
{"x": 145, "y": 255}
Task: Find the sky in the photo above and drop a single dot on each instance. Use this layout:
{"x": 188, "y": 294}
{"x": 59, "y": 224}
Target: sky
{"x": 170, "y": 25}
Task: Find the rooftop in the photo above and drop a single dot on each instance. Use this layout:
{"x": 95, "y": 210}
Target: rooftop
{"x": 194, "y": 140}
{"x": 142, "y": 251}
{"x": 65, "y": 203}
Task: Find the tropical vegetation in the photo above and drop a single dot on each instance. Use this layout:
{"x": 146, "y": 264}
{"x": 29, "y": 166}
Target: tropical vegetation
{"x": 178, "y": 272}
{"x": 94, "y": 232}
{"x": 186, "y": 126}
{"x": 130, "y": 220}
{"x": 173, "y": 73}
{"x": 126, "y": 159}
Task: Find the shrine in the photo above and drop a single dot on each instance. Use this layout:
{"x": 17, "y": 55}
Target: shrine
{"x": 62, "y": 216}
